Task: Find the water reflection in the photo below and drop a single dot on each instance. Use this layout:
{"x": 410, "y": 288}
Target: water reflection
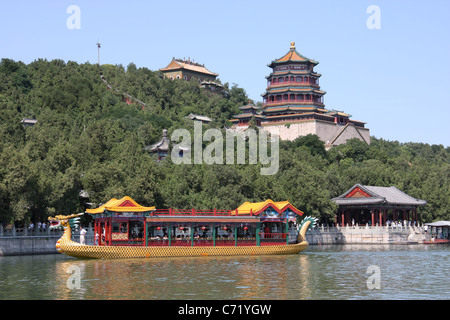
{"x": 185, "y": 278}
{"x": 321, "y": 272}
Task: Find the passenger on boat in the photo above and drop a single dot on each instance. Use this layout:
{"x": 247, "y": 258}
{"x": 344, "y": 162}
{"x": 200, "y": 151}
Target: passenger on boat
{"x": 82, "y": 235}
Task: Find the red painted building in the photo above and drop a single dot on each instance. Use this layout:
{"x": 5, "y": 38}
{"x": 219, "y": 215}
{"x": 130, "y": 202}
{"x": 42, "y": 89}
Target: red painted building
{"x": 376, "y": 206}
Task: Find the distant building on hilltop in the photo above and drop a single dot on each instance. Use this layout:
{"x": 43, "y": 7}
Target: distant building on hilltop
{"x": 161, "y": 148}
{"x": 190, "y": 70}
{"x": 28, "y": 122}
{"x": 186, "y": 70}
{"x": 197, "y": 117}
{"x": 293, "y": 105}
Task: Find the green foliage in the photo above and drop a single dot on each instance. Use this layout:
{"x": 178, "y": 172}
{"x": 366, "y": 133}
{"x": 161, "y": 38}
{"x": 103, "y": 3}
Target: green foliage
{"x": 88, "y": 138}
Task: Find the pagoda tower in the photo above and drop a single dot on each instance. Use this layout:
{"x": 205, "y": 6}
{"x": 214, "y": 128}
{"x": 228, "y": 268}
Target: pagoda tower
{"x": 293, "y": 86}
{"x": 293, "y": 105}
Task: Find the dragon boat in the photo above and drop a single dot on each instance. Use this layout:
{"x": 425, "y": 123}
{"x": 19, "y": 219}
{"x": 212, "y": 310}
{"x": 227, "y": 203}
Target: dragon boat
{"x": 125, "y": 229}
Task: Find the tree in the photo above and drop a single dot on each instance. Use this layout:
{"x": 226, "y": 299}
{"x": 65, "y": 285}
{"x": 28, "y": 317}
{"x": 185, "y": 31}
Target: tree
{"x": 88, "y": 138}
{"x": 313, "y": 143}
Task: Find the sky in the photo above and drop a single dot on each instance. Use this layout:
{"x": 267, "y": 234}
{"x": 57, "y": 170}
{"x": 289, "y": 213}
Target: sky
{"x": 388, "y": 66}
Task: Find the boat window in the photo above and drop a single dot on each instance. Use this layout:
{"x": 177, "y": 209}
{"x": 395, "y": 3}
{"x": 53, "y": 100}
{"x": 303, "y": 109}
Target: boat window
{"x": 136, "y": 230}
{"x": 181, "y": 231}
{"x": 246, "y": 231}
{"x": 203, "y": 231}
{"x": 120, "y": 227}
{"x": 157, "y": 231}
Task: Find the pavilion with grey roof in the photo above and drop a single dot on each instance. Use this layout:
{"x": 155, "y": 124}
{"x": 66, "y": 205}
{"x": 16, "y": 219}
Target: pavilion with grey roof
{"x": 375, "y": 206}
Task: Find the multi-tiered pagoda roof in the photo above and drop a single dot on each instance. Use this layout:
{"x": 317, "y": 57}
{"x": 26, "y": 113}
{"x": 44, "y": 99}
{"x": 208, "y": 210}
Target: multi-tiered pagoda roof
{"x": 293, "y": 86}
{"x": 293, "y": 94}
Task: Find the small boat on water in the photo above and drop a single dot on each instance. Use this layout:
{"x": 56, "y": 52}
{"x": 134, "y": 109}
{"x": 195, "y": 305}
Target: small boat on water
{"x": 437, "y": 241}
{"x": 125, "y": 229}
{"x": 439, "y": 232}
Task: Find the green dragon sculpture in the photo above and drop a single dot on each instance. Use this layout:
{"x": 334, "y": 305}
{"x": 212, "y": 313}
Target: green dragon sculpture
{"x": 306, "y": 224}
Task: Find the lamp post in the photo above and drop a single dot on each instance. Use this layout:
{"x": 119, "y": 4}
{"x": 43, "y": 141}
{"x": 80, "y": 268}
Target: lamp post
{"x": 98, "y": 48}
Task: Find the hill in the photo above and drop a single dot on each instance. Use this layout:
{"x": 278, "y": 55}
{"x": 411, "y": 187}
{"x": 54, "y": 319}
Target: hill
{"x": 87, "y": 137}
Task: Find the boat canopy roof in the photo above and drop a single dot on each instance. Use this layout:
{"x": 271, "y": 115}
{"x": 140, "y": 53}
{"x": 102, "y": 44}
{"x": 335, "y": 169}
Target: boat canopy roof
{"x": 439, "y": 224}
{"x": 257, "y": 207}
{"x": 260, "y": 210}
{"x": 126, "y": 204}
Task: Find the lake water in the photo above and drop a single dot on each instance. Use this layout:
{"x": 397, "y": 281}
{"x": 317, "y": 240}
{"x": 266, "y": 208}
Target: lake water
{"x": 321, "y": 272}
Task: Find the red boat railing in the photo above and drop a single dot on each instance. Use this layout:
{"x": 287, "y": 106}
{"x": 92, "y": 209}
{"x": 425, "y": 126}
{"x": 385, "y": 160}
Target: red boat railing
{"x": 194, "y": 212}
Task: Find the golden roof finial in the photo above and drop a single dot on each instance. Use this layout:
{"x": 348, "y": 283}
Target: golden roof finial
{"x": 292, "y": 45}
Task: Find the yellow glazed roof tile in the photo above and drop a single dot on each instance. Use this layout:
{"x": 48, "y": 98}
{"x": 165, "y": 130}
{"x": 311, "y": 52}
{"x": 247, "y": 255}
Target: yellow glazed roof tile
{"x": 257, "y": 207}
{"x": 126, "y": 204}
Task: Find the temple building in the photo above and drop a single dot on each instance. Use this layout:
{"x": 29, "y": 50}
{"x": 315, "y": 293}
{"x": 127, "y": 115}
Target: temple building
{"x": 249, "y": 111}
{"x": 376, "y": 206}
{"x": 162, "y": 148}
{"x": 187, "y": 70}
{"x": 28, "y": 122}
{"x": 199, "y": 117}
{"x": 293, "y": 105}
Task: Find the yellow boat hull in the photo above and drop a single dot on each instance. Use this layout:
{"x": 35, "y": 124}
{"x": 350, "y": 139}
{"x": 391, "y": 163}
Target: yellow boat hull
{"x": 75, "y": 249}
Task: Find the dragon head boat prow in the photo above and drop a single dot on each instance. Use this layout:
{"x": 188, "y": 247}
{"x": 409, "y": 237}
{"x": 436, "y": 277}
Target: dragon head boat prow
{"x": 69, "y": 222}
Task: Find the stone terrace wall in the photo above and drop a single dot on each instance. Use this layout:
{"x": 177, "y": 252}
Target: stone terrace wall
{"x": 23, "y": 241}
{"x": 366, "y": 235}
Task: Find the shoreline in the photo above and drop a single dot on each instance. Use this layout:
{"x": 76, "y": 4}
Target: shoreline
{"x": 45, "y": 244}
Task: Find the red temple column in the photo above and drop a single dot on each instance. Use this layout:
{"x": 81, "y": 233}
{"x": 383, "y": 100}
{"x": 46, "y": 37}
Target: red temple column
{"x": 109, "y": 230}
{"x": 145, "y": 232}
{"x": 380, "y": 222}
{"x": 343, "y": 218}
{"x": 106, "y": 232}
